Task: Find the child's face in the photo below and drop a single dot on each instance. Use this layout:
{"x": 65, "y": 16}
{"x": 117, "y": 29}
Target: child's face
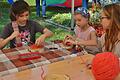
{"x": 22, "y": 18}
{"x": 105, "y": 21}
{"x": 80, "y": 20}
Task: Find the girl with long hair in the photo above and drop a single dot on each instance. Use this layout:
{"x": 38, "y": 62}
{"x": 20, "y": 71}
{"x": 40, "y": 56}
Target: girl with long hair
{"x": 110, "y": 20}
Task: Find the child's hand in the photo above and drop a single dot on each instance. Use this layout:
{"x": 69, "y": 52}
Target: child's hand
{"x": 14, "y": 34}
{"x": 40, "y": 40}
{"x": 69, "y": 42}
{"x": 68, "y": 37}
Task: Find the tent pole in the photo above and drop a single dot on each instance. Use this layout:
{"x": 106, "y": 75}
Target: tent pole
{"x": 72, "y": 15}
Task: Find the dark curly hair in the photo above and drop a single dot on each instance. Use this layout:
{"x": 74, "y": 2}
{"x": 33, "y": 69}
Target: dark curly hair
{"x": 17, "y": 8}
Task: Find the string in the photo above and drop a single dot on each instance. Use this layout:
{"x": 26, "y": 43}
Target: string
{"x": 42, "y": 74}
{"x": 83, "y": 62}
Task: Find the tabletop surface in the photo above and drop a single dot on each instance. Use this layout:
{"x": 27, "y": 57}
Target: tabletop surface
{"x": 10, "y": 62}
{"x": 70, "y": 69}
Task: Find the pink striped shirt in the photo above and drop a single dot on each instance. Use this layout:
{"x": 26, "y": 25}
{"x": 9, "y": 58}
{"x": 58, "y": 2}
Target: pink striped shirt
{"x": 84, "y": 35}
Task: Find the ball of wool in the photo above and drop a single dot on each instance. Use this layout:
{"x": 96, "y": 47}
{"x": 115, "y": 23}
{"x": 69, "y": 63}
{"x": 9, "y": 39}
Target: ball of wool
{"x": 105, "y": 66}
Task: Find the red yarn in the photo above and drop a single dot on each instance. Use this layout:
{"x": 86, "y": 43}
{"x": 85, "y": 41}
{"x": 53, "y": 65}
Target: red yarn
{"x": 42, "y": 74}
{"x": 105, "y": 66}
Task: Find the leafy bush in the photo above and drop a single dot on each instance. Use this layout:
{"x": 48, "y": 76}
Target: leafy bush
{"x": 95, "y": 20}
{"x": 63, "y": 19}
{"x": 95, "y": 17}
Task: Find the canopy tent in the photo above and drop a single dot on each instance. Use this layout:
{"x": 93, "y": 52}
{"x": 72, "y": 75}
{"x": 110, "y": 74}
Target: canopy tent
{"x": 68, "y": 3}
{"x": 65, "y": 3}
{"x": 52, "y": 2}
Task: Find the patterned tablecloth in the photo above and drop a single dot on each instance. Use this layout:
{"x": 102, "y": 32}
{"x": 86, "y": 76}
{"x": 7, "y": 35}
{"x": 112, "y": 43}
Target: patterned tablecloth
{"x": 10, "y": 62}
{"x": 70, "y": 69}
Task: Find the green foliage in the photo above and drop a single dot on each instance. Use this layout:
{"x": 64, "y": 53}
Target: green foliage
{"x": 59, "y": 33}
{"x": 63, "y": 19}
{"x": 95, "y": 16}
{"x": 31, "y": 2}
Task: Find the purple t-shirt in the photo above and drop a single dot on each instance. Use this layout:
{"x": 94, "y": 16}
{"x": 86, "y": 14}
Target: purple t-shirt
{"x": 27, "y": 32}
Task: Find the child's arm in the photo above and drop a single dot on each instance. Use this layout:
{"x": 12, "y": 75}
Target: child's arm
{"x": 3, "y": 42}
{"x": 46, "y": 33}
{"x": 91, "y": 42}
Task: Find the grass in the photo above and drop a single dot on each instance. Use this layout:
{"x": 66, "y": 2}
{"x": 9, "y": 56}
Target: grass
{"x": 4, "y": 19}
{"x": 59, "y": 33}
